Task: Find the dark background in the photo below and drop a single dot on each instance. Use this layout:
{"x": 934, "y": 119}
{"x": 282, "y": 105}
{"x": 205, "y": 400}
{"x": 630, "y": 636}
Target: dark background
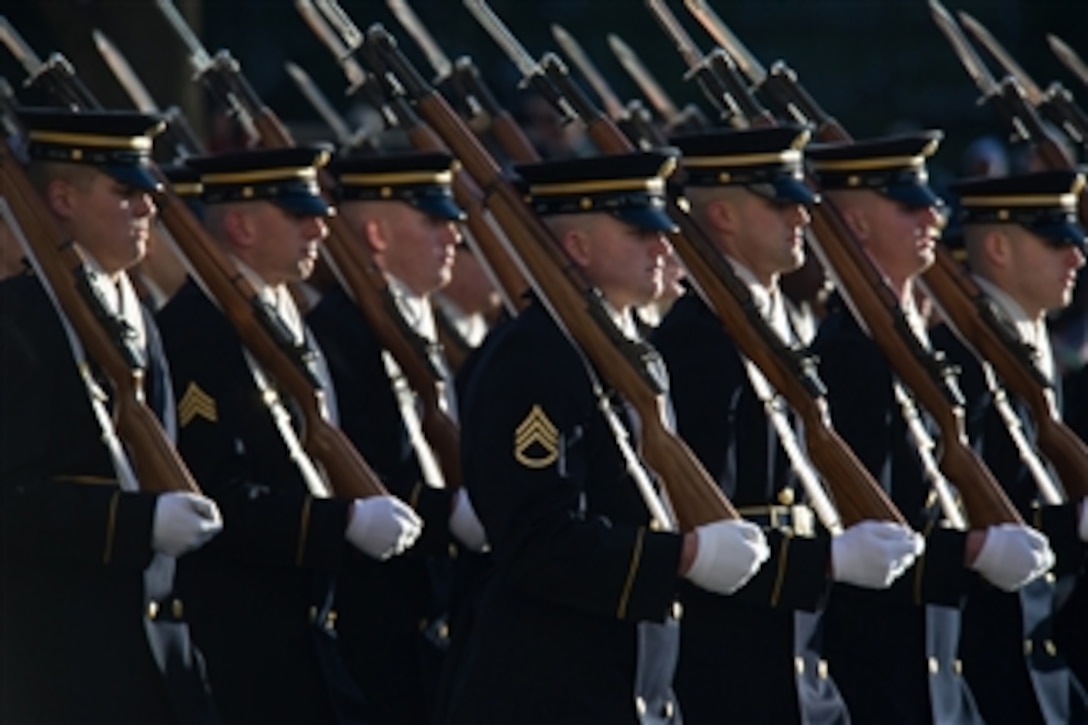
{"x": 879, "y": 66}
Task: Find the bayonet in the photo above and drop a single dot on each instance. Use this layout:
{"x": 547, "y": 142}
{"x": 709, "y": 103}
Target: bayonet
{"x": 198, "y": 56}
{"x": 967, "y": 55}
{"x": 578, "y": 56}
{"x": 323, "y": 30}
{"x": 689, "y": 52}
{"x": 723, "y": 36}
{"x": 649, "y": 86}
{"x": 124, "y": 73}
{"x": 19, "y": 48}
{"x": 343, "y": 23}
{"x": 415, "y": 27}
{"x": 982, "y": 35}
{"x": 1069, "y": 58}
{"x": 321, "y": 104}
{"x": 532, "y": 72}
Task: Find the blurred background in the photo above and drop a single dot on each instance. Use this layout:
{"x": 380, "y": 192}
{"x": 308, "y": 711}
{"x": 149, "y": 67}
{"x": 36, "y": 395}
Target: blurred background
{"x": 877, "y": 65}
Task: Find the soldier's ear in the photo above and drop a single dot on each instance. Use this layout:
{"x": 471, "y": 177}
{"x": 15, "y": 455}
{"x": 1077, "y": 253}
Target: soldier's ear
{"x": 239, "y": 227}
{"x": 721, "y": 215}
{"x": 374, "y": 233}
{"x": 576, "y": 243}
{"x": 59, "y": 193}
{"x": 997, "y": 246}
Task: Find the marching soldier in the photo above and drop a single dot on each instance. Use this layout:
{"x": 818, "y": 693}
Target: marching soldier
{"x": 746, "y": 192}
{"x": 92, "y": 630}
{"x": 1024, "y": 248}
{"x": 574, "y": 618}
{"x": 261, "y": 600}
{"x": 895, "y": 653}
{"x": 401, "y": 207}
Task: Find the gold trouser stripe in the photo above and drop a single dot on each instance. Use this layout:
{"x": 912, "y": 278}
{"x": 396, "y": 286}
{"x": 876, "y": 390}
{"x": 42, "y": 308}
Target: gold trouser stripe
{"x": 780, "y": 576}
{"x": 111, "y": 527}
{"x": 636, "y": 557}
{"x": 413, "y": 499}
{"x": 303, "y": 530}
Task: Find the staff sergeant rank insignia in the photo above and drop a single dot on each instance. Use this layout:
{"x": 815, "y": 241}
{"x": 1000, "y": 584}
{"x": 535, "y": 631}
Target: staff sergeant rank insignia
{"x": 196, "y": 403}
{"x": 536, "y": 440}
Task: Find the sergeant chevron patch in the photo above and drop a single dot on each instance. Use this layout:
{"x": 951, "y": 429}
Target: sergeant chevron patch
{"x": 195, "y": 403}
{"x": 536, "y": 440}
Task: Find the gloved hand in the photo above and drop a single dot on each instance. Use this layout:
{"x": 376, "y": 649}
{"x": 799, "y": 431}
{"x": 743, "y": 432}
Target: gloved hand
{"x": 729, "y": 554}
{"x": 382, "y": 526}
{"x": 183, "y": 521}
{"x": 1013, "y": 555}
{"x": 873, "y": 554}
{"x": 465, "y": 525}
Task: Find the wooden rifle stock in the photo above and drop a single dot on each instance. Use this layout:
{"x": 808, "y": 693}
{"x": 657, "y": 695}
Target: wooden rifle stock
{"x": 347, "y": 472}
{"x": 370, "y": 290}
{"x": 856, "y": 494}
{"x": 695, "y": 498}
{"x": 155, "y": 460}
{"x": 512, "y": 139}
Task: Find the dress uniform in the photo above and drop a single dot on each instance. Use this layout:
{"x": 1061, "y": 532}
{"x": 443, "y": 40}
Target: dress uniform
{"x": 90, "y": 627}
{"x": 1010, "y": 659}
{"x": 575, "y": 619}
{"x": 262, "y": 599}
{"x": 894, "y": 652}
{"x": 377, "y": 409}
{"x": 772, "y": 625}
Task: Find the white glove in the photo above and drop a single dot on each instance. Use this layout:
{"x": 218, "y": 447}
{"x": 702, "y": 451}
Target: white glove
{"x": 382, "y": 526}
{"x": 1082, "y": 526}
{"x": 465, "y": 525}
{"x": 873, "y": 554}
{"x": 183, "y": 521}
{"x": 1013, "y": 555}
{"x": 729, "y": 554}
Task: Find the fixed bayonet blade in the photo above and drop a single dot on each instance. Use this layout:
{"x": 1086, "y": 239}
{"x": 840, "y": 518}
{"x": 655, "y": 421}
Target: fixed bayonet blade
{"x": 649, "y": 86}
{"x": 1069, "y": 57}
{"x": 982, "y": 35}
{"x": 124, "y": 73}
{"x": 724, "y": 37}
{"x": 343, "y": 23}
{"x": 513, "y": 48}
{"x": 684, "y": 44}
{"x": 321, "y": 104}
{"x": 574, "y": 51}
{"x": 198, "y": 56}
{"x": 967, "y": 55}
{"x": 19, "y": 48}
{"x": 415, "y": 27}
{"x": 352, "y": 70}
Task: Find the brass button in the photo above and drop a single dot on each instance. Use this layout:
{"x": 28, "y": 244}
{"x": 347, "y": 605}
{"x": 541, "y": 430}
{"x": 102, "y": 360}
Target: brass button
{"x": 821, "y": 669}
{"x": 668, "y": 710}
{"x": 1050, "y": 578}
{"x": 313, "y": 614}
{"x": 177, "y": 609}
{"x": 786, "y": 497}
{"x": 1050, "y": 648}
{"x": 677, "y": 610}
{"x": 934, "y": 666}
{"x": 152, "y": 609}
{"x": 640, "y": 706}
{"x": 957, "y": 666}
{"x": 443, "y": 631}
{"x": 1028, "y": 647}
{"x": 799, "y": 665}
{"x": 330, "y": 620}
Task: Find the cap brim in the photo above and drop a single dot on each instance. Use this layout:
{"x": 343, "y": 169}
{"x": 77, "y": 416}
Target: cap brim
{"x": 304, "y": 204}
{"x": 647, "y": 218}
{"x": 136, "y": 176}
{"x": 1062, "y": 233}
{"x": 915, "y": 196}
{"x": 440, "y": 206}
{"x": 789, "y": 189}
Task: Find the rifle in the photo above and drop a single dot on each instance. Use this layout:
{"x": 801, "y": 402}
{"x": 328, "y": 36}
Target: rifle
{"x": 576, "y": 305}
{"x": 357, "y": 272}
{"x": 790, "y": 372}
{"x": 1069, "y": 58}
{"x": 690, "y": 119}
{"x": 156, "y": 462}
{"x": 923, "y": 373}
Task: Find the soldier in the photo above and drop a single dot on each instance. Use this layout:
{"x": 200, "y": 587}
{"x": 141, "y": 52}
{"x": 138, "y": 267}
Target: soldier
{"x": 92, "y": 629}
{"x": 746, "y": 192}
{"x": 573, "y": 615}
{"x": 894, "y": 652}
{"x": 1024, "y": 248}
{"x": 401, "y": 207}
{"x": 262, "y": 598}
